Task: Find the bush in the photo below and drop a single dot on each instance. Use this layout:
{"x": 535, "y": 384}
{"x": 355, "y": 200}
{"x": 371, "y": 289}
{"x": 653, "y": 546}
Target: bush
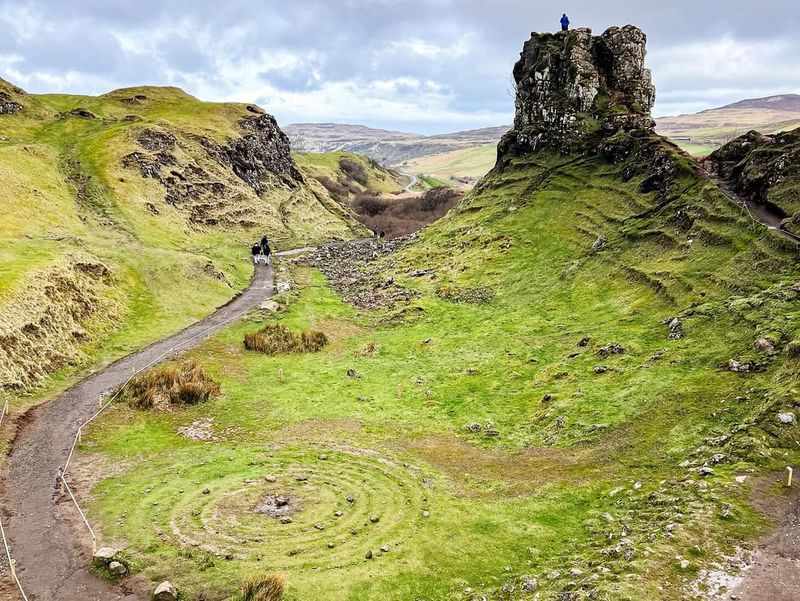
{"x": 262, "y": 587}
{"x": 185, "y": 384}
{"x": 399, "y": 217}
{"x": 277, "y": 339}
{"x": 354, "y": 170}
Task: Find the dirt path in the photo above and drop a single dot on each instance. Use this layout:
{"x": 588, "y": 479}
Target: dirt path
{"x": 759, "y": 212}
{"x": 51, "y": 563}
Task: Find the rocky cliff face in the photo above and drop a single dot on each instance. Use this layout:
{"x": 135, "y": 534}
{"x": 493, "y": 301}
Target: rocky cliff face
{"x": 574, "y": 89}
{"x": 10, "y": 98}
{"x": 766, "y": 170}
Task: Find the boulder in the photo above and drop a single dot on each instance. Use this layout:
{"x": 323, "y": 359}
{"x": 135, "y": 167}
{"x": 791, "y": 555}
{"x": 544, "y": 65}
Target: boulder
{"x": 117, "y": 568}
{"x": 165, "y": 592}
{"x": 105, "y": 554}
{"x": 764, "y": 345}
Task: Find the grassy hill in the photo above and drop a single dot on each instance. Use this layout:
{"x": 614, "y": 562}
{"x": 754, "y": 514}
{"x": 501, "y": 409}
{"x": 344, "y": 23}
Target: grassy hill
{"x": 345, "y": 174}
{"x": 575, "y": 393}
{"x": 703, "y": 132}
{"x": 129, "y": 215}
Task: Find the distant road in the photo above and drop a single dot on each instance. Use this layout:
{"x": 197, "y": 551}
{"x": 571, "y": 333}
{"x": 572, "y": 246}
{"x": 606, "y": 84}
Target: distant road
{"x": 414, "y": 179}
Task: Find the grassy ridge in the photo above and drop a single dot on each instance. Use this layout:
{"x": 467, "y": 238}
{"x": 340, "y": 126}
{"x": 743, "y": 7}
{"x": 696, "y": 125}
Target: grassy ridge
{"x": 489, "y": 413}
{"x": 66, "y": 191}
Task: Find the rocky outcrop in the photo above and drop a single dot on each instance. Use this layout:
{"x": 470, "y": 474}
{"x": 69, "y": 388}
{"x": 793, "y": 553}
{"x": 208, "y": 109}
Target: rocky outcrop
{"x": 764, "y": 169}
{"x": 573, "y": 90}
{"x": 10, "y": 98}
{"x": 262, "y": 151}
{"x": 200, "y": 175}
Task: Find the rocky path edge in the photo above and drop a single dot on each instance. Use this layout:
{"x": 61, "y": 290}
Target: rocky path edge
{"x": 51, "y": 559}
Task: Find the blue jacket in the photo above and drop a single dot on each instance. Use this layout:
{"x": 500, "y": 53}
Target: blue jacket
{"x": 565, "y": 20}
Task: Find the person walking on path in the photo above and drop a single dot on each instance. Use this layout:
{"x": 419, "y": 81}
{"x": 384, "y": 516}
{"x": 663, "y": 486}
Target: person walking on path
{"x": 265, "y": 250}
{"x": 564, "y": 22}
{"x": 256, "y": 253}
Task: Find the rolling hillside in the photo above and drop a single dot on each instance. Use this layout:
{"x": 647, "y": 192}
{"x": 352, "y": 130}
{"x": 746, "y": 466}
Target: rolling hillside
{"x": 571, "y": 387}
{"x": 130, "y": 214}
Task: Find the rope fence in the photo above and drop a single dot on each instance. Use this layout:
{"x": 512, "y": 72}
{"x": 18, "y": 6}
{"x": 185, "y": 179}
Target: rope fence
{"x": 62, "y": 472}
{"x": 11, "y": 562}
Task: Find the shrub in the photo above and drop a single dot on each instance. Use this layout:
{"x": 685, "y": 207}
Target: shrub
{"x": 277, "y": 339}
{"x": 184, "y": 384}
{"x": 354, "y": 170}
{"x": 262, "y": 587}
{"x": 398, "y": 217}
{"x": 793, "y": 349}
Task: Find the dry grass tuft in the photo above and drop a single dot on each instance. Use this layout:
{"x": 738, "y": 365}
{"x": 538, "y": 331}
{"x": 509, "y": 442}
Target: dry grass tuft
{"x": 262, "y": 587}
{"x": 277, "y": 339}
{"x": 185, "y": 384}
{"x": 369, "y": 349}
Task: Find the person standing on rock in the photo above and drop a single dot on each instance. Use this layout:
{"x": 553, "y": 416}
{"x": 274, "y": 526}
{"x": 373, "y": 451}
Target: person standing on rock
{"x": 564, "y": 22}
{"x": 265, "y": 250}
{"x": 256, "y": 253}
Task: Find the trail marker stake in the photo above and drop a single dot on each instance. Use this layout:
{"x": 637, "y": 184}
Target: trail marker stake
{"x": 791, "y": 473}
{"x": 280, "y": 376}
{"x": 399, "y": 390}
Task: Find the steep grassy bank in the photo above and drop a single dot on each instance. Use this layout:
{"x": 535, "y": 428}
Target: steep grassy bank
{"x": 129, "y": 215}
{"x": 554, "y": 411}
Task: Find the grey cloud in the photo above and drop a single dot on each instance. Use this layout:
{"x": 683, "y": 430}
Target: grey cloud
{"x": 366, "y": 41}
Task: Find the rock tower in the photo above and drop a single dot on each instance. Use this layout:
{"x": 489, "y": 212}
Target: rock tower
{"x": 574, "y": 90}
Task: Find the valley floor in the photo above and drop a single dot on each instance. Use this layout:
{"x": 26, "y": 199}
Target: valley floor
{"x": 516, "y": 414}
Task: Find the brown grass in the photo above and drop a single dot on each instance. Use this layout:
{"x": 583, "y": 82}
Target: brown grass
{"x": 399, "y": 217}
{"x": 185, "y": 384}
{"x": 262, "y": 587}
{"x": 277, "y": 339}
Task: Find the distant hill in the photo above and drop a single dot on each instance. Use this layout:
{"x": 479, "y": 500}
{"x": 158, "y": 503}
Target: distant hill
{"x": 386, "y": 147}
{"x": 702, "y": 132}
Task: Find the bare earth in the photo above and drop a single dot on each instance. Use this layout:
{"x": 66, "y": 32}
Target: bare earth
{"x": 39, "y": 520}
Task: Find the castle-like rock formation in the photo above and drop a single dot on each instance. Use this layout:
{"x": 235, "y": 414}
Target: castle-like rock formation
{"x": 574, "y": 90}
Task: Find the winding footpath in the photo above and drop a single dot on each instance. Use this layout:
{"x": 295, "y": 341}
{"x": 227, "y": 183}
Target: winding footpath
{"x": 40, "y": 521}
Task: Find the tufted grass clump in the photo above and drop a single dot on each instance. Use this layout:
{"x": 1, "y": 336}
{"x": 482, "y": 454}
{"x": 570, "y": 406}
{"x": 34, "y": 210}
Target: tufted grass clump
{"x": 162, "y": 388}
{"x": 262, "y": 587}
{"x": 277, "y": 339}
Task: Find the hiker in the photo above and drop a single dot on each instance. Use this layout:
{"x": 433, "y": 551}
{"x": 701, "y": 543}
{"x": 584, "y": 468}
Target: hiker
{"x": 265, "y": 250}
{"x": 256, "y": 253}
{"x": 564, "y": 22}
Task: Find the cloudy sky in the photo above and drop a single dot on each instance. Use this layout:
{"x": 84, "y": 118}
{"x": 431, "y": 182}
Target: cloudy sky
{"x": 415, "y": 65}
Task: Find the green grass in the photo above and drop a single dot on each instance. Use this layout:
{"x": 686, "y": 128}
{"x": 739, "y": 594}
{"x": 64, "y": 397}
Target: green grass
{"x": 66, "y": 193}
{"x": 327, "y": 165}
{"x": 532, "y": 496}
{"x": 467, "y": 164}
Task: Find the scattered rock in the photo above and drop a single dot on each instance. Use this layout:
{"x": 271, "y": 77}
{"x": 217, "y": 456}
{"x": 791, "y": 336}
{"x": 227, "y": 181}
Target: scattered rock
{"x": 739, "y": 367}
{"x": 206, "y": 491}
{"x": 474, "y": 427}
{"x": 105, "y": 554}
{"x": 271, "y": 478}
{"x": 385, "y": 548}
{"x": 529, "y": 584}
{"x": 350, "y": 499}
{"x": 199, "y": 429}
{"x": 426, "y": 514}
{"x": 583, "y": 341}
{"x": 554, "y": 575}
{"x": 331, "y": 545}
{"x": 560, "y": 422}
{"x": 165, "y": 592}
{"x": 705, "y": 471}
{"x": 271, "y": 306}
{"x": 368, "y": 555}
{"x": 117, "y": 568}
{"x": 548, "y": 397}
{"x": 786, "y": 418}
{"x": 600, "y": 369}
{"x": 611, "y": 349}
{"x": 338, "y": 514}
{"x": 354, "y": 375}
{"x": 764, "y": 345}
{"x": 323, "y": 457}
{"x": 286, "y": 520}
{"x": 374, "y": 519}
{"x": 675, "y": 329}
{"x": 575, "y": 572}
{"x": 599, "y": 244}
{"x": 717, "y": 458}
{"x": 740, "y": 479}
{"x": 319, "y": 526}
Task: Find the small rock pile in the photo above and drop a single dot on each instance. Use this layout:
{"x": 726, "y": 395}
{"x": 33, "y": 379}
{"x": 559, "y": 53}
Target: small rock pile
{"x": 348, "y": 267}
